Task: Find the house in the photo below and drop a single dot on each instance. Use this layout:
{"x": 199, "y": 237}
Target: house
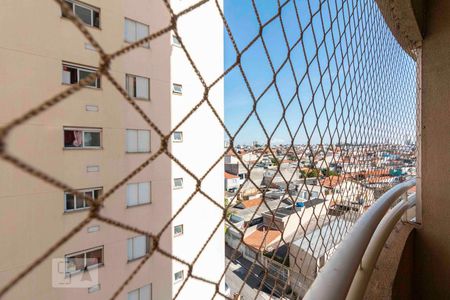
{"x": 262, "y": 239}
{"x": 249, "y": 213}
{"x": 231, "y": 182}
{"x": 290, "y": 219}
{"x": 283, "y": 218}
{"x": 249, "y": 158}
{"x": 237, "y": 221}
{"x": 257, "y": 240}
{"x": 381, "y": 181}
{"x": 241, "y": 171}
{"x": 308, "y": 254}
{"x": 278, "y": 178}
{"x": 234, "y": 166}
{"x": 255, "y": 180}
{"x": 347, "y": 194}
{"x": 230, "y": 157}
{"x": 312, "y": 191}
{"x": 250, "y": 210}
{"x": 249, "y": 203}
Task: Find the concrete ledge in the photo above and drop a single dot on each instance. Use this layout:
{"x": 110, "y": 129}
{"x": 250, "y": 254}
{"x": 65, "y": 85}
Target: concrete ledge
{"x": 405, "y": 19}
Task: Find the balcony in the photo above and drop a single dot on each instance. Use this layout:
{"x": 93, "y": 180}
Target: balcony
{"x": 400, "y": 248}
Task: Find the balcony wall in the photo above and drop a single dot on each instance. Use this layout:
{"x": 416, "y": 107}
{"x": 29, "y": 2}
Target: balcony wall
{"x": 432, "y": 243}
{"x": 392, "y": 277}
{"x": 419, "y": 262}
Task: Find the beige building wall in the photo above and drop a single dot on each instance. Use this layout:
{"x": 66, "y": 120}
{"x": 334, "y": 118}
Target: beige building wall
{"x": 35, "y": 39}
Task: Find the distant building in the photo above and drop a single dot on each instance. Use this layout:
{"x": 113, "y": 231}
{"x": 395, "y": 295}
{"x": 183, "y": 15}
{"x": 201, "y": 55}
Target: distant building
{"x": 347, "y": 194}
{"x": 231, "y": 182}
{"x": 290, "y": 220}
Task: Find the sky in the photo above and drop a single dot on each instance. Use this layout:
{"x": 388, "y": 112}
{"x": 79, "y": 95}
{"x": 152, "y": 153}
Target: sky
{"x": 354, "y": 81}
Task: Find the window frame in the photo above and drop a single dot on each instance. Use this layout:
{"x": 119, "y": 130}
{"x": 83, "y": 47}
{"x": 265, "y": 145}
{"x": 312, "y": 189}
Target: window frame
{"x": 95, "y": 288}
{"x": 137, "y": 141}
{"x": 174, "y": 89}
{"x": 138, "y": 290}
{"x": 83, "y": 131}
{"x": 82, "y": 68}
{"x": 147, "y": 247}
{"x": 175, "y": 280}
{"x": 85, "y": 252}
{"x": 139, "y": 203}
{"x": 146, "y": 44}
{"x": 86, "y": 6}
{"x": 175, "y": 187}
{"x": 128, "y": 75}
{"x": 175, "y": 140}
{"x": 175, "y": 234}
{"x": 84, "y": 200}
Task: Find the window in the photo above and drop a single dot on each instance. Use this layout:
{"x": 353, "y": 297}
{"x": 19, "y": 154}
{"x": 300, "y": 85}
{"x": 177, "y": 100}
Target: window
{"x": 304, "y": 195}
{"x": 72, "y": 202}
{"x": 178, "y": 183}
{"x": 138, "y": 87}
{"x": 138, "y": 140}
{"x": 135, "y": 31}
{"x": 138, "y": 193}
{"x": 138, "y": 246}
{"x": 177, "y": 89}
{"x": 175, "y": 41}
{"x": 94, "y": 288}
{"x": 178, "y": 136}
{"x": 92, "y": 168}
{"x": 72, "y": 74}
{"x": 179, "y": 276}
{"x": 83, "y": 260}
{"x": 87, "y": 14}
{"x": 143, "y": 293}
{"x": 178, "y": 230}
{"x": 82, "y": 137}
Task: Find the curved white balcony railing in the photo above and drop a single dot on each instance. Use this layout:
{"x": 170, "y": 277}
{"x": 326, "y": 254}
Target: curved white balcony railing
{"x": 347, "y": 273}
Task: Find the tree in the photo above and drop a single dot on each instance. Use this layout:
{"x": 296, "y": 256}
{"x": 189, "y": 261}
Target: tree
{"x": 228, "y": 212}
{"x": 327, "y": 172}
{"x": 313, "y": 173}
{"x": 310, "y": 173}
{"x": 274, "y": 161}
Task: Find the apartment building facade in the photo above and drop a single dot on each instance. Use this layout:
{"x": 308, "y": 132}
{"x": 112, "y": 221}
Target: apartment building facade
{"x": 94, "y": 138}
